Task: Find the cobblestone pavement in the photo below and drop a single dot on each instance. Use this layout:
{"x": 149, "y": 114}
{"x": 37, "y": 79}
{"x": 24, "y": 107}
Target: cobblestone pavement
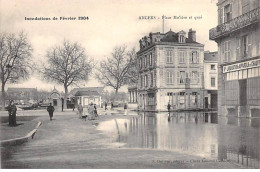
{"x": 69, "y": 142}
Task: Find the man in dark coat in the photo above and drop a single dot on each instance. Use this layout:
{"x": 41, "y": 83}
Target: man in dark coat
{"x": 50, "y": 109}
{"x": 169, "y": 107}
{"x": 105, "y": 105}
{"x": 12, "y": 114}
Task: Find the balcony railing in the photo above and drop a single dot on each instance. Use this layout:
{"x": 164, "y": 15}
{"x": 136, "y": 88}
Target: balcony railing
{"x": 235, "y": 24}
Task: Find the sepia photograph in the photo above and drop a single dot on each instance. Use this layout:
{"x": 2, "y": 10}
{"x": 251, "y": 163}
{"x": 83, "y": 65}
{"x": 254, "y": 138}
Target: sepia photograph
{"x": 116, "y": 84}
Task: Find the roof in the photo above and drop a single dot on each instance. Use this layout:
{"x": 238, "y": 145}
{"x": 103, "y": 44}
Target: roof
{"x": 87, "y": 93}
{"x": 97, "y": 89}
{"x": 173, "y": 37}
{"x": 211, "y": 56}
{"x": 21, "y": 89}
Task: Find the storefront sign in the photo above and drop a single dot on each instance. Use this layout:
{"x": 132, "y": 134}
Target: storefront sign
{"x": 241, "y": 66}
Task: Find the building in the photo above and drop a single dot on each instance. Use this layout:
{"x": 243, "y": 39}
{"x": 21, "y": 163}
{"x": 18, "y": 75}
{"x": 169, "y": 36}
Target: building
{"x": 88, "y": 95}
{"x": 22, "y": 95}
{"x": 56, "y": 100}
{"x": 211, "y": 79}
{"x": 170, "y": 69}
{"x": 237, "y": 36}
{"x": 132, "y": 95}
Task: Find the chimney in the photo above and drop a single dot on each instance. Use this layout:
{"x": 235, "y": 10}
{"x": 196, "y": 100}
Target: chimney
{"x": 192, "y": 35}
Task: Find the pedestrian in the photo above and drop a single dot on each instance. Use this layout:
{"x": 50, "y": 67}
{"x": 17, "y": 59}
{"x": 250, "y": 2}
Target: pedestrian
{"x": 169, "y": 107}
{"x": 73, "y": 106}
{"x": 125, "y": 109}
{"x": 12, "y": 113}
{"x": 105, "y": 105}
{"x": 91, "y": 111}
{"x": 112, "y": 105}
{"x": 80, "y": 110}
{"x": 50, "y": 109}
{"x": 95, "y": 109}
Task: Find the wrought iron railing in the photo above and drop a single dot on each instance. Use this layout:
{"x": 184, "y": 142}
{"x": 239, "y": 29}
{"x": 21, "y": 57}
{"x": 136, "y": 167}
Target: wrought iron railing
{"x": 235, "y": 24}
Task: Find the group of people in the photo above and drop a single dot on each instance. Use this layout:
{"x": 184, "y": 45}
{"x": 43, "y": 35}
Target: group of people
{"x": 92, "y": 111}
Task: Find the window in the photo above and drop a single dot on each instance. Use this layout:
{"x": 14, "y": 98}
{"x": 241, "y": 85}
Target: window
{"x": 194, "y": 98}
{"x": 145, "y": 64}
{"x": 151, "y": 79}
{"x": 227, "y": 13}
{"x": 150, "y": 59}
{"x": 181, "y": 57}
{"x": 194, "y": 57}
{"x": 141, "y": 81}
{"x": 145, "y": 81}
{"x": 140, "y": 62}
{"x": 169, "y": 77}
{"x": 169, "y": 94}
{"x": 227, "y": 52}
{"x": 194, "y": 77}
{"x": 213, "y": 81}
{"x": 245, "y": 46}
{"x": 245, "y": 7}
{"x": 182, "y": 97}
{"x": 169, "y": 56}
{"x": 181, "y": 39}
{"x": 213, "y": 67}
{"x": 181, "y": 77}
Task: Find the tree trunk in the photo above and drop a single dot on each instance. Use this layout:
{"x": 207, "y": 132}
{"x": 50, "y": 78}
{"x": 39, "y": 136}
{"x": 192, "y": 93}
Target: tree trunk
{"x": 3, "y": 96}
{"x": 65, "y": 96}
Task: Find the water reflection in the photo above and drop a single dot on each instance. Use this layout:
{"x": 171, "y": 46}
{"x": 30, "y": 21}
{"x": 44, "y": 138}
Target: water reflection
{"x": 202, "y": 134}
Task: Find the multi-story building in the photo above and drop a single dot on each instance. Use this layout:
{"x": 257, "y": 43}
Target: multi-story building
{"x": 237, "y": 36}
{"x": 170, "y": 68}
{"x": 210, "y": 79}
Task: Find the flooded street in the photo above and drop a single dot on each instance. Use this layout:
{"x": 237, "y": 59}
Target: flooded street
{"x": 196, "y": 133}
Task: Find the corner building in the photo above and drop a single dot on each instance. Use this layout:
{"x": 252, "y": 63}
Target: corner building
{"x": 238, "y": 37}
{"x": 170, "y": 68}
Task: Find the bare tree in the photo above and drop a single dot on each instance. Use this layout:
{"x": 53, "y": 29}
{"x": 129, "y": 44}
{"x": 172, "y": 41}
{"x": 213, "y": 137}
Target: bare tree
{"x": 114, "y": 72}
{"x": 67, "y": 65}
{"x": 15, "y": 58}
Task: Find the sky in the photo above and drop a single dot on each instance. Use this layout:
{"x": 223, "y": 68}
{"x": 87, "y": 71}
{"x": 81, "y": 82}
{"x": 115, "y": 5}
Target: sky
{"x": 111, "y": 23}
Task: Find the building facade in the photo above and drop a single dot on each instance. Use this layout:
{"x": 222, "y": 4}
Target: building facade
{"x": 170, "y": 69}
{"x": 237, "y": 36}
{"x": 211, "y": 79}
{"x": 87, "y": 95}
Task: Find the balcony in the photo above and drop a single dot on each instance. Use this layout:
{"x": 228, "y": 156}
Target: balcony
{"x": 235, "y": 24}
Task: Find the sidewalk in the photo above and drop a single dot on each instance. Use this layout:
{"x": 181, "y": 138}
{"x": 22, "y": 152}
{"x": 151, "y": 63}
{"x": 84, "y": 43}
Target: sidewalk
{"x": 21, "y": 130}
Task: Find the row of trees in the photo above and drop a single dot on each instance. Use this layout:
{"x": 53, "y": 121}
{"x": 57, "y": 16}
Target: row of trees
{"x": 67, "y": 64}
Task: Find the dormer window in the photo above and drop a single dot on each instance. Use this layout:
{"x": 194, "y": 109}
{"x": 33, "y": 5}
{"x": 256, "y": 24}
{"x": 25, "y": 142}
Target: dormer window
{"x": 182, "y": 39}
{"x": 182, "y": 36}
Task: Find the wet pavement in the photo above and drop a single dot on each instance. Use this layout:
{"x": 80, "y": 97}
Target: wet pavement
{"x": 195, "y": 133}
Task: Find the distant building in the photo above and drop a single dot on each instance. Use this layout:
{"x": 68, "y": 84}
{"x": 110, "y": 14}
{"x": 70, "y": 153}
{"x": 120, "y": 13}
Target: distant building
{"x": 56, "y": 99}
{"x": 237, "y": 35}
{"x": 211, "y": 79}
{"x": 23, "y": 95}
{"x": 87, "y": 95}
{"x": 170, "y": 70}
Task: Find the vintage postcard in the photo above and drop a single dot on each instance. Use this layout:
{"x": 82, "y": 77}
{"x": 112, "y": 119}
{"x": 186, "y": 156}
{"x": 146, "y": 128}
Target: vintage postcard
{"x": 115, "y": 84}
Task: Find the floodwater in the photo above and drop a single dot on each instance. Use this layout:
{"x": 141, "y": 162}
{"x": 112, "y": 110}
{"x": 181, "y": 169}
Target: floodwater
{"x": 196, "y": 133}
